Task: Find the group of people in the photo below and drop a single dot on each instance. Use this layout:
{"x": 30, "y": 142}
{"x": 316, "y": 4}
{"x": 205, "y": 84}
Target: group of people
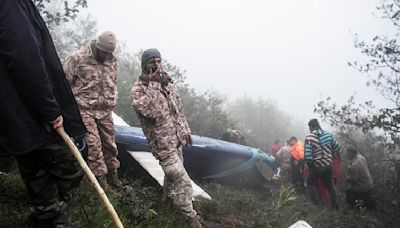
{"x": 315, "y": 165}
{"x": 39, "y": 95}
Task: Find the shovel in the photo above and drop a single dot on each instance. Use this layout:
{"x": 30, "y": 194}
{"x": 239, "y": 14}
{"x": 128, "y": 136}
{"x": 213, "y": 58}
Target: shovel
{"x": 90, "y": 175}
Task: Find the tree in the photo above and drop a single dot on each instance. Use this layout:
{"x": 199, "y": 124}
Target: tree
{"x": 54, "y": 15}
{"x": 128, "y": 71}
{"x": 67, "y": 36}
{"x": 381, "y": 150}
{"x": 263, "y": 122}
{"x": 70, "y": 37}
{"x": 383, "y": 72}
{"x": 204, "y": 112}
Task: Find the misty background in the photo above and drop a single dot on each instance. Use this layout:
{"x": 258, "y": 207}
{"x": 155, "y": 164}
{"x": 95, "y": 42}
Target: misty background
{"x": 292, "y": 52}
{"x": 258, "y": 66}
{"x": 261, "y": 67}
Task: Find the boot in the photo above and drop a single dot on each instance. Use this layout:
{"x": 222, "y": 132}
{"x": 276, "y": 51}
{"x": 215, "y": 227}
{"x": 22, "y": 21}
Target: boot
{"x": 102, "y": 181}
{"x": 112, "y": 178}
{"x": 195, "y": 222}
{"x": 57, "y": 222}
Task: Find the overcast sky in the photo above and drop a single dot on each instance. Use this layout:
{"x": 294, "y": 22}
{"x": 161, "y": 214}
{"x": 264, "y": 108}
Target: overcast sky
{"x": 294, "y": 52}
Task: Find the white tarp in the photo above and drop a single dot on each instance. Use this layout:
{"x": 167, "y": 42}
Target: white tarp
{"x": 118, "y": 120}
{"x": 151, "y": 165}
{"x": 300, "y": 224}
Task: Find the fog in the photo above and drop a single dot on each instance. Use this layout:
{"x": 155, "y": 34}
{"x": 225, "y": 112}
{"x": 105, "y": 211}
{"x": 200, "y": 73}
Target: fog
{"x": 293, "y": 52}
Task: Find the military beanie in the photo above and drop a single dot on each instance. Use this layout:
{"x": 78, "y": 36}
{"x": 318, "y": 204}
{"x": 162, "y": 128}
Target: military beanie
{"x": 148, "y": 54}
{"x": 106, "y": 42}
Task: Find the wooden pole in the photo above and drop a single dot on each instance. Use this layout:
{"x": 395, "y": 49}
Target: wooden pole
{"x": 90, "y": 175}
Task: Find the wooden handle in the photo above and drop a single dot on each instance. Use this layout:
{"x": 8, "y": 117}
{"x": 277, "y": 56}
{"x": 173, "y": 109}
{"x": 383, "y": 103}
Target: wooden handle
{"x": 91, "y": 176}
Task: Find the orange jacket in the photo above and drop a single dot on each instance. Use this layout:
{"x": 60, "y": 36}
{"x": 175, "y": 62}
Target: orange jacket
{"x": 298, "y": 150}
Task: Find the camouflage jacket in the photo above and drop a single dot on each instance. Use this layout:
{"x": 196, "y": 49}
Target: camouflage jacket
{"x": 94, "y": 84}
{"x": 161, "y": 116}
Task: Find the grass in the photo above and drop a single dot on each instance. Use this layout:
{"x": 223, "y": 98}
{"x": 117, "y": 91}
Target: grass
{"x": 14, "y": 205}
{"x": 286, "y": 196}
{"x": 143, "y": 206}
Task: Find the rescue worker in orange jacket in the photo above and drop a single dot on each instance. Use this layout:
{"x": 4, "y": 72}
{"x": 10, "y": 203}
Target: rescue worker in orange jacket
{"x": 297, "y": 161}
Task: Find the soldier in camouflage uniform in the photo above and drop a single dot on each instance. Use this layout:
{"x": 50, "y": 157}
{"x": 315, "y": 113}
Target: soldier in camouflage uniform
{"x": 157, "y": 102}
{"x": 92, "y": 74}
{"x": 39, "y": 169}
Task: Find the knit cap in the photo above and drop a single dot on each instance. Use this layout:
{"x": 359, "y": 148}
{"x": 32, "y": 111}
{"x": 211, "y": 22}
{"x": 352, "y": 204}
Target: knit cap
{"x": 147, "y": 55}
{"x": 106, "y": 42}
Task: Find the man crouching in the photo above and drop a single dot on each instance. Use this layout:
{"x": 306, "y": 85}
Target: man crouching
{"x": 157, "y": 102}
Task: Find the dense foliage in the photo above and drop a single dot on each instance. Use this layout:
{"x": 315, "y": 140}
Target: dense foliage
{"x": 383, "y": 70}
{"x": 56, "y": 12}
{"x": 375, "y": 132}
{"x": 263, "y": 122}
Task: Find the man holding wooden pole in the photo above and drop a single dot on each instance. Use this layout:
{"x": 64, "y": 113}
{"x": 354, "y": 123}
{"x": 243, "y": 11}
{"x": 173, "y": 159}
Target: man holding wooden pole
{"x": 37, "y": 101}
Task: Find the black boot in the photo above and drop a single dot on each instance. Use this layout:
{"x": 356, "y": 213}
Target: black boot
{"x": 103, "y": 181}
{"x": 113, "y": 180}
{"x": 57, "y": 222}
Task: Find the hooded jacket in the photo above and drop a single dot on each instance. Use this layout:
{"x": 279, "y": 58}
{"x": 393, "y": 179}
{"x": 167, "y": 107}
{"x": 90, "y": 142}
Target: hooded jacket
{"x": 160, "y": 111}
{"x": 161, "y": 116}
{"x": 358, "y": 175}
{"x": 33, "y": 87}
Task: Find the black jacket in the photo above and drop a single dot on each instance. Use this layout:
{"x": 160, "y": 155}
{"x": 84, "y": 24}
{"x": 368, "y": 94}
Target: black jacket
{"x": 33, "y": 87}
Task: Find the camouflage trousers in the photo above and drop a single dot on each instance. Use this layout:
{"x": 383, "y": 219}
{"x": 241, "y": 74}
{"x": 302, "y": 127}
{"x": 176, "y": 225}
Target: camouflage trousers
{"x": 102, "y": 150}
{"x": 49, "y": 173}
{"x": 177, "y": 183}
